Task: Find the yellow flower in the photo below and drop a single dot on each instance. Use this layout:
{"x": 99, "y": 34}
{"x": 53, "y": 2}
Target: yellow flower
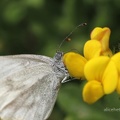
{"x": 99, "y": 43}
{"x": 102, "y": 76}
{"x": 99, "y": 67}
{"x": 75, "y": 63}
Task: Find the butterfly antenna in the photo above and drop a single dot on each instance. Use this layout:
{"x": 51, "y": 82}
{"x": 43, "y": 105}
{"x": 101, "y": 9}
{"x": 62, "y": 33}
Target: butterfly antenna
{"x": 80, "y": 25}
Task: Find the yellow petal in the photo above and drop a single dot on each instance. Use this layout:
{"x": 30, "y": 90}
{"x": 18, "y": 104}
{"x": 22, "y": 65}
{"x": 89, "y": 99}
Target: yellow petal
{"x": 95, "y": 67}
{"x": 92, "y": 91}
{"x": 95, "y": 34}
{"x": 102, "y": 35}
{"x": 92, "y": 48}
{"x": 75, "y": 63}
{"x": 110, "y": 78}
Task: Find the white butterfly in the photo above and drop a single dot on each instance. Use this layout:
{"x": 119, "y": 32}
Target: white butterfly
{"x": 29, "y": 85}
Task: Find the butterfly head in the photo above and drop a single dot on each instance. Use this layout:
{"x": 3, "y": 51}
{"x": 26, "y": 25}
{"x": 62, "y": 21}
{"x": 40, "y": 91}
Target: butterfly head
{"x": 58, "y": 56}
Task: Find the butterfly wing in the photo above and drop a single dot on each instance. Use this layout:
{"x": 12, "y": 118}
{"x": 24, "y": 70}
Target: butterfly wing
{"x": 28, "y": 87}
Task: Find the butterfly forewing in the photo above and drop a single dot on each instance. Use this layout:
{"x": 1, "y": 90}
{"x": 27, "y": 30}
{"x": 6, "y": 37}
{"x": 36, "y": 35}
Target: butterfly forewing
{"x": 28, "y": 87}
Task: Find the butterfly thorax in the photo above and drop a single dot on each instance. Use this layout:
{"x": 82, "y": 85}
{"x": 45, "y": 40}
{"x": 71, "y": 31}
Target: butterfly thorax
{"x": 58, "y": 64}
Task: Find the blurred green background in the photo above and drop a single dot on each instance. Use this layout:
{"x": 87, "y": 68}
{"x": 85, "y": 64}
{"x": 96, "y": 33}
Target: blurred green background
{"x": 38, "y": 27}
